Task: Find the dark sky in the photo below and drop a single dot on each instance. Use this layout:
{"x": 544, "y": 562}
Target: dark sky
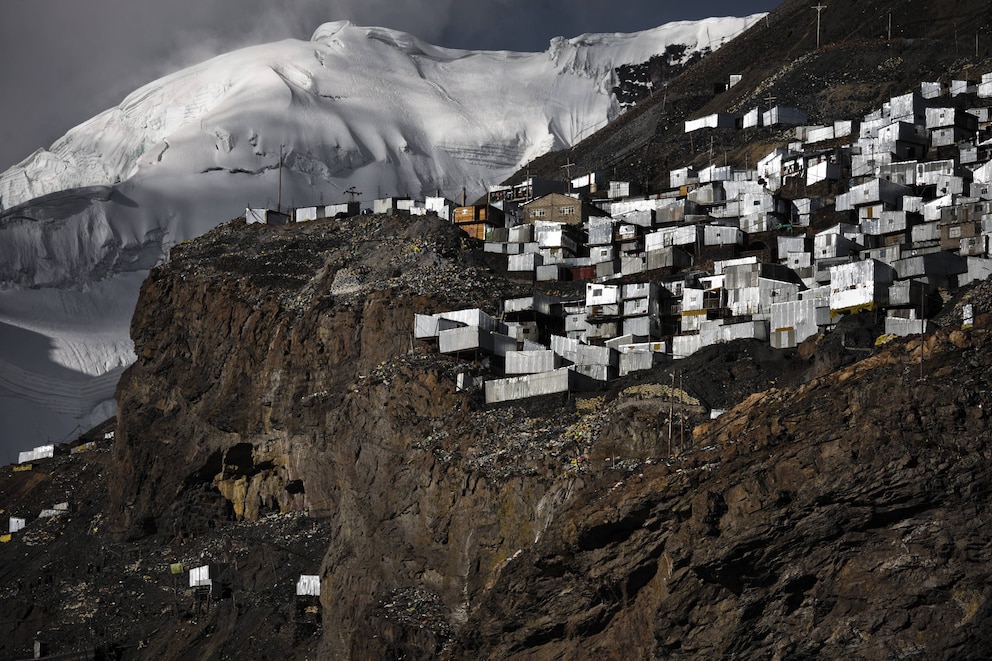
{"x": 63, "y": 61}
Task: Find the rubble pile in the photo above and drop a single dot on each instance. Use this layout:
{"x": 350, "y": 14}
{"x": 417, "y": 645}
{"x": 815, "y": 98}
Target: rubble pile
{"x": 360, "y": 254}
{"x": 419, "y": 608}
{"x": 513, "y": 443}
{"x": 460, "y": 285}
{"x": 978, "y": 296}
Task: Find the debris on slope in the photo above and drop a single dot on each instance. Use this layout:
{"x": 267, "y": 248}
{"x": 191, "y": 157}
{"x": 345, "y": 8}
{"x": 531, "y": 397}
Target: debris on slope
{"x": 818, "y": 520}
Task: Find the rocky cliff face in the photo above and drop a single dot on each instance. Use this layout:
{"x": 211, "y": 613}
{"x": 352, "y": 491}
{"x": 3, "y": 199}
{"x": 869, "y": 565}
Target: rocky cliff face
{"x": 282, "y": 421}
{"x": 843, "y": 513}
{"x": 847, "y": 517}
{"x": 277, "y": 372}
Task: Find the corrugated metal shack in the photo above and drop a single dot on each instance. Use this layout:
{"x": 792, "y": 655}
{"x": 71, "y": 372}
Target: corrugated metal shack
{"x": 266, "y": 217}
{"x": 205, "y": 579}
{"x": 308, "y": 586}
{"x": 752, "y": 288}
{"x": 903, "y": 326}
{"x": 531, "y": 385}
{"x": 784, "y": 115}
{"x": 55, "y": 510}
{"x": 426, "y": 326}
{"x": 470, "y": 339}
{"x": 860, "y": 286}
{"x": 40, "y": 452}
{"x": 683, "y": 177}
{"x": 793, "y": 321}
{"x": 531, "y": 362}
{"x": 721, "y": 120}
{"x": 938, "y": 268}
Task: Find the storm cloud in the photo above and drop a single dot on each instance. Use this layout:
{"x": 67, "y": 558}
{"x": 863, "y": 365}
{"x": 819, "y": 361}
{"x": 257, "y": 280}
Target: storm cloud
{"x": 64, "y": 61}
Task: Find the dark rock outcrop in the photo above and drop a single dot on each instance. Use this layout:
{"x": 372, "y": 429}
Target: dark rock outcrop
{"x": 281, "y": 421}
{"x": 847, "y": 517}
{"x": 287, "y": 379}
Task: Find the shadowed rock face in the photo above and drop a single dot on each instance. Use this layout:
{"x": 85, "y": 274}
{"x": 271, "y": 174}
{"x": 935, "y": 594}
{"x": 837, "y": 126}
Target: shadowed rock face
{"x": 840, "y": 510}
{"x": 820, "y": 516}
{"x": 258, "y": 352}
{"x": 269, "y": 392}
{"x": 848, "y": 516}
{"x": 281, "y": 421}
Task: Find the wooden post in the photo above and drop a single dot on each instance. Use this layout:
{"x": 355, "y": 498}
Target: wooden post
{"x": 922, "y": 327}
{"x": 671, "y": 413}
{"x": 279, "y": 193}
{"x": 681, "y": 414}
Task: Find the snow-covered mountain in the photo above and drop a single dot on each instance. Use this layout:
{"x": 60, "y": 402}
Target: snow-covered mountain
{"x": 372, "y": 108}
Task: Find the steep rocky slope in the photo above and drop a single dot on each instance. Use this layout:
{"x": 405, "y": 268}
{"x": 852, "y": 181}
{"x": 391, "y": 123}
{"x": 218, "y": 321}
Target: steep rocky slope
{"x": 287, "y": 379}
{"x": 855, "y": 70}
{"x": 281, "y": 421}
{"x": 847, "y": 517}
{"x": 789, "y": 528}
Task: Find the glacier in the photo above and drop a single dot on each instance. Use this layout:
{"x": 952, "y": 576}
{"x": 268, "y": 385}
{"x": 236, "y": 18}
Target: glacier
{"x": 364, "y": 108}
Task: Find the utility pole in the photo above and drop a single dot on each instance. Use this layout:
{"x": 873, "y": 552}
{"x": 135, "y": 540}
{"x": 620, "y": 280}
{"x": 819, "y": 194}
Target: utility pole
{"x": 671, "y": 413}
{"x": 353, "y": 193}
{"x": 770, "y": 99}
{"x": 681, "y": 414}
{"x": 923, "y": 324}
{"x": 819, "y": 8}
{"x": 568, "y": 173}
{"x": 279, "y": 192}
{"x": 890, "y": 26}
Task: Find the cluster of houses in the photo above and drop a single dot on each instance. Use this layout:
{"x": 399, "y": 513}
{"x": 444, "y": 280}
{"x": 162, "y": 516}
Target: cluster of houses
{"x": 16, "y": 524}
{"x": 727, "y": 253}
{"x": 911, "y": 183}
{"x": 432, "y": 206}
{"x": 25, "y": 462}
{"x": 205, "y": 580}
